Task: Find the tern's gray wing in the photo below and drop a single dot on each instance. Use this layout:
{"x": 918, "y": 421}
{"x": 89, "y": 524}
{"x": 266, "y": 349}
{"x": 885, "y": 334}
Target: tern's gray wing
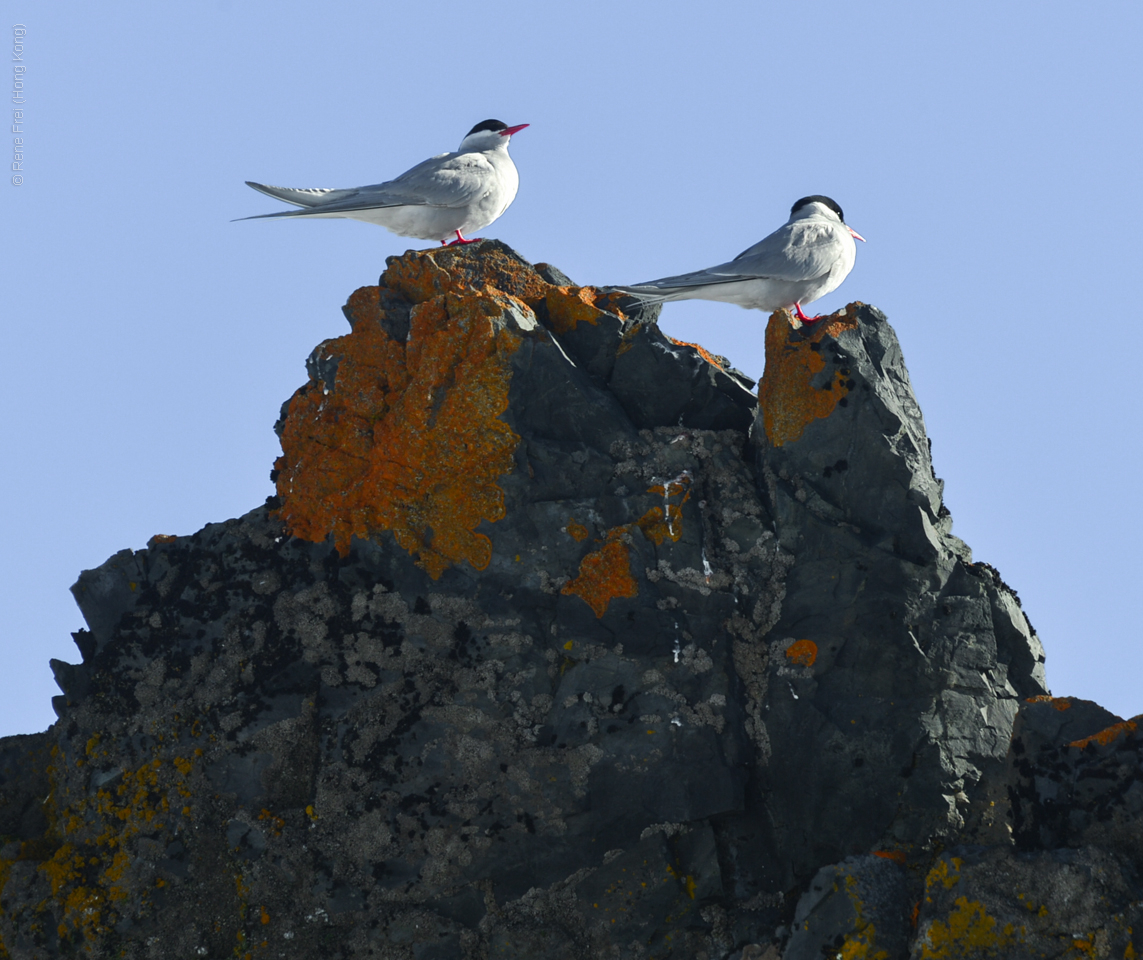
{"x": 302, "y": 197}
{"x": 448, "y": 180}
{"x": 802, "y": 250}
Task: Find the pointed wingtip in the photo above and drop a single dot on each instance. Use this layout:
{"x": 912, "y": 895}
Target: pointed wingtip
{"x": 263, "y": 216}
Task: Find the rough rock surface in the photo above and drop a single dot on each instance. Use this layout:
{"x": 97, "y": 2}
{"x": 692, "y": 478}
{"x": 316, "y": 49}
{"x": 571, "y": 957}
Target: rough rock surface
{"x": 557, "y": 642}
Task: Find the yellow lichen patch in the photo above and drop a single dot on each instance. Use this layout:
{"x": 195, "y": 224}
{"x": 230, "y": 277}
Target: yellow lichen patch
{"x": 410, "y": 440}
{"x": 604, "y": 575}
{"x": 946, "y": 873}
{"x": 861, "y": 945}
{"x": 1085, "y": 947}
{"x": 577, "y": 531}
{"x": 1057, "y": 703}
{"x": 1106, "y": 736}
{"x": 802, "y": 653}
{"x": 861, "y": 942}
{"x": 88, "y": 855}
{"x": 968, "y": 932}
{"x": 787, "y": 396}
{"x": 274, "y": 823}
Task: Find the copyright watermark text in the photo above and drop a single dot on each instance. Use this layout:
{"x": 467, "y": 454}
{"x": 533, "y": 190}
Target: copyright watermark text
{"x": 19, "y": 31}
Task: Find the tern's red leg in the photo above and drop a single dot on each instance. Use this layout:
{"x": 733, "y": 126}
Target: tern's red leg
{"x": 460, "y": 239}
{"x": 801, "y": 316}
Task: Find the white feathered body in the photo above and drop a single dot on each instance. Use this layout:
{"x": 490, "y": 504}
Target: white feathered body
{"x": 798, "y": 263}
{"x": 463, "y": 191}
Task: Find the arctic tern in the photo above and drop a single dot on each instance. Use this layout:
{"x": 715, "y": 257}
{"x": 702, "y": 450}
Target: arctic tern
{"x": 451, "y": 193}
{"x": 797, "y": 264}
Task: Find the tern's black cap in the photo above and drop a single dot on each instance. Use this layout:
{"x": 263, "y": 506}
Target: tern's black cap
{"x": 817, "y": 198}
{"x": 494, "y": 125}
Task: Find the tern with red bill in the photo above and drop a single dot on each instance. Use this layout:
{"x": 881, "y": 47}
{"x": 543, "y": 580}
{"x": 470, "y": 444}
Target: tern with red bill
{"x": 445, "y": 196}
{"x": 798, "y": 263}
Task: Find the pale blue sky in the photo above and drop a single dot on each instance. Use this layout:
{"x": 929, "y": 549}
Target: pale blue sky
{"x": 990, "y": 153}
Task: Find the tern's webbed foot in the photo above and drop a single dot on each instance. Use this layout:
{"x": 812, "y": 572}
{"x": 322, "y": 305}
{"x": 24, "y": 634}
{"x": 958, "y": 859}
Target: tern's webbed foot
{"x": 460, "y": 239}
{"x": 801, "y": 316}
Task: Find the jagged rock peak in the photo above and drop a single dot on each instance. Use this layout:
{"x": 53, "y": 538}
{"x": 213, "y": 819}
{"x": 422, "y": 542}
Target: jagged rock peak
{"x": 410, "y": 421}
{"x": 558, "y": 642}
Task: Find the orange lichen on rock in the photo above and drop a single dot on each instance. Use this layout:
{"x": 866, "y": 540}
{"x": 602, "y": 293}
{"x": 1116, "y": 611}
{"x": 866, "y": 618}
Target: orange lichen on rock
{"x": 1106, "y": 736}
{"x": 896, "y": 856}
{"x": 604, "y": 575}
{"x": 802, "y": 653}
{"x": 421, "y": 275}
{"x": 702, "y": 351}
{"x": 577, "y": 531}
{"x": 569, "y": 306}
{"x": 409, "y": 439}
{"x": 787, "y": 396}
{"x": 363, "y": 304}
{"x": 1057, "y": 703}
{"x": 658, "y": 527}
{"x": 666, "y": 522}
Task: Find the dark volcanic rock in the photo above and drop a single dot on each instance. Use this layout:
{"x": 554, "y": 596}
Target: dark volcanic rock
{"x": 896, "y": 663}
{"x": 1076, "y": 778}
{"x": 555, "y": 643}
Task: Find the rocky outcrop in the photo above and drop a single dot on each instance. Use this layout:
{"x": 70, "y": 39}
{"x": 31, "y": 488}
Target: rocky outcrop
{"x": 558, "y": 642}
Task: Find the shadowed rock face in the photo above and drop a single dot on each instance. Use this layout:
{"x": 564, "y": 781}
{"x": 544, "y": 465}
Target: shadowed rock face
{"x": 556, "y": 642}
{"x": 921, "y": 656}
